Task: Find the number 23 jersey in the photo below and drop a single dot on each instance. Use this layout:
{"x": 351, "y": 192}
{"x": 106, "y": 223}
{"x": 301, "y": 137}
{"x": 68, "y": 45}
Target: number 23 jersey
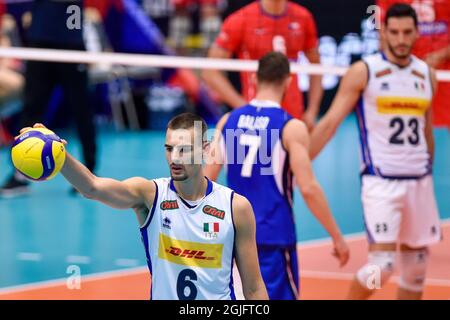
{"x": 391, "y": 118}
{"x": 189, "y": 248}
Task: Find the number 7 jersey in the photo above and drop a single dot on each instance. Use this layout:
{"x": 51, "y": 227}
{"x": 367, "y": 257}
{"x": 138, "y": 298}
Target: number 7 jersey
{"x": 391, "y": 119}
{"x": 258, "y": 168}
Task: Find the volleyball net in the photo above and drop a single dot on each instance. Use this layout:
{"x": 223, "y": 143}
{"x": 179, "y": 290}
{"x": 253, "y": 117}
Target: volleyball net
{"x": 160, "y": 61}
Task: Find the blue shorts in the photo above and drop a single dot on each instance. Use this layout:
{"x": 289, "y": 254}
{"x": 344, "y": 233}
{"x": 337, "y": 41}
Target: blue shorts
{"x": 279, "y": 270}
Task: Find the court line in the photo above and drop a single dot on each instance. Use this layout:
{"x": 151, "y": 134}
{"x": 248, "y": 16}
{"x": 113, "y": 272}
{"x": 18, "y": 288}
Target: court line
{"x": 134, "y": 271}
{"x": 78, "y": 259}
{"x": 29, "y": 256}
{"x": 126, "y": 262}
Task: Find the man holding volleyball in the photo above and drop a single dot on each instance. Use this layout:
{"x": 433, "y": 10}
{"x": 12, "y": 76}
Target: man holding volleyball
{"x": 192, "y": 228}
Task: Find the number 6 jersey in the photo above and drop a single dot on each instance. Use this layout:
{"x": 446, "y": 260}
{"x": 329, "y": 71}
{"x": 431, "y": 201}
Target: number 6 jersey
{"x": 391, "y": 118}
{"x": 189, "y": 246}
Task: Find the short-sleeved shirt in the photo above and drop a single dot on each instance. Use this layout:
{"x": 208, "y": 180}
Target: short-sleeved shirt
{"x": 434, "y": 29}
{"x": 250, "y": 33}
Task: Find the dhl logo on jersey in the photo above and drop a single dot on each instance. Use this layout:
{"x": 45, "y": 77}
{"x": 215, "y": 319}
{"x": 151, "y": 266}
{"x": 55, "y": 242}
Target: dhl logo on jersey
{"x": 403, "y": 105}
{"x": 187, "y": 253}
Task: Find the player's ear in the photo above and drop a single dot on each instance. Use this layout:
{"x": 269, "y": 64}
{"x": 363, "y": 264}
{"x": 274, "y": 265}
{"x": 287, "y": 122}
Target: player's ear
{"x": 206, "y": 151}
{"x": 206, "y": 147}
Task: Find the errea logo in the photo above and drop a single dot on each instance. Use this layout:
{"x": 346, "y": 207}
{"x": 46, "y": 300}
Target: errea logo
{"x": 210, "y": 210}
{"x": 166, "y": 223}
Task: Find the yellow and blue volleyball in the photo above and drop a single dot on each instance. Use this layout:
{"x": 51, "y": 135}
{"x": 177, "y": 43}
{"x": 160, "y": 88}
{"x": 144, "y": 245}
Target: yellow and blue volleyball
{"x": 38, "y": 154}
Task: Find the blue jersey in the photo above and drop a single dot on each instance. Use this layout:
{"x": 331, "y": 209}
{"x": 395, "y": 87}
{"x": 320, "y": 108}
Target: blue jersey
{"x": 258, "y": 168}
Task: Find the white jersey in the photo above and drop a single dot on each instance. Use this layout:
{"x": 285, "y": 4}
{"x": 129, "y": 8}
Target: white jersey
{"x": 189, "y": 247}
{"x": 391, "y": 118}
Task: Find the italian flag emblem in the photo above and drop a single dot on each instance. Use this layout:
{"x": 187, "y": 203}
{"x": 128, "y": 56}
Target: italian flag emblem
{"x": 211, "y": 227}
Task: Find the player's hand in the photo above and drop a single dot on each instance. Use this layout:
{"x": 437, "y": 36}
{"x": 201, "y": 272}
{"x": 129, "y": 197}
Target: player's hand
{"x": 309, "y": 118}
{"x": 341, "y": 251}
{"x": 36, "y": 125}
{"x": 435, "y": 59}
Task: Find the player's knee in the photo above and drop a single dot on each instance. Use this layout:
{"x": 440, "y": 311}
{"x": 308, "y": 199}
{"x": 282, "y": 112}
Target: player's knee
{"x": 378, "y": 269}
{"x": 413, "y": 269}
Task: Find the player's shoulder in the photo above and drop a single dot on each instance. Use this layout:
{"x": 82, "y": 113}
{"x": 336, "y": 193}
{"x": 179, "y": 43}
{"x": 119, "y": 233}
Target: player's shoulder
{"x": 295, "y": 130}
{"x": 220, "y": 188}
{"x": 161, "y": 183}
{"x": 417, "y": 62}
{"x": 297, "y": 126}
{"x": 373, "y": 58}
{"x": 243, "y": 215}
{"x": 240, "y": 203}
{"x": 161, "y": 180}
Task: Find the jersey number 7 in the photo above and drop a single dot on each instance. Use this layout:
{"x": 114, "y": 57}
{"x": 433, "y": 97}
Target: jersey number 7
{"x": 253, "y": 142}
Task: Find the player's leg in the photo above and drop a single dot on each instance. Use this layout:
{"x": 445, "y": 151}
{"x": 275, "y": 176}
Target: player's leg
{"x": 420, "y": 229}
{"x": 413, "y": 267}
{"x": 74, "y": 78}
{"x": 382, "y": 202}
{"x": 39, "y": 84}
{"x": 275, "y": 264}
{"x": 375, "y": 273}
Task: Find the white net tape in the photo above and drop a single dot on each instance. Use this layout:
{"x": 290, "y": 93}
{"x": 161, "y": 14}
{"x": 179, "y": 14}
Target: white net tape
{"x": 159, "y": 61}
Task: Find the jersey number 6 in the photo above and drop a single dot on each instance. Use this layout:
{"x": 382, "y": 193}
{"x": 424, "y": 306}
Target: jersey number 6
{"x": 184, "y": 281}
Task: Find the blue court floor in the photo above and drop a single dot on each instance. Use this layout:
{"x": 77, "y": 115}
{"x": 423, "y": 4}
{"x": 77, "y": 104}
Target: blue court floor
{"x": 41, "y": 235}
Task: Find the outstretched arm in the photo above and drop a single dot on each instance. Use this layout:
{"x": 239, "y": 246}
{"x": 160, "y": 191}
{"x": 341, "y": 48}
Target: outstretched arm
{"x": 296, "y": 142}
{"x": 124, "y": 194}
{"x": 352, "y": 84}
{"x": 136, "y": 193}
{"x": 246, "y": 251}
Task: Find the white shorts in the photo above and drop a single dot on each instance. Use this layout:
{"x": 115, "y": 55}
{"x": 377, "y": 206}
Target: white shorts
{"x": 400, "y": 211}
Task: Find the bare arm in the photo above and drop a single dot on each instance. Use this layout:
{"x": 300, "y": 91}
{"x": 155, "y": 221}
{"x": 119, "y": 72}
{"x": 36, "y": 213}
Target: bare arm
{"x": 429, "y": 120}
{"x": 134, "y": 193}
{"x": 296, "y": 142}
{"x": 117, "y": 194}
{"x": 217, "y": 80}
{"x": 216, "y": 157}
{"x": 438, "y": 57}
{"x": 352, "y": 84}
{"x": 246, "y": 251}
{"x": 315, "y": 92}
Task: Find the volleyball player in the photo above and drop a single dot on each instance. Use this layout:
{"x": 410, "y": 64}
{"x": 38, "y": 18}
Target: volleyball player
{"x": 192, "y": 228}
{"x": 393, "y": 91}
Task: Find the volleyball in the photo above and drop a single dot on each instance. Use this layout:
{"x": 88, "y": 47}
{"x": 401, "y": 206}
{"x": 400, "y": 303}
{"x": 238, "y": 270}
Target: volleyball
{"x": 38, "y": 154}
